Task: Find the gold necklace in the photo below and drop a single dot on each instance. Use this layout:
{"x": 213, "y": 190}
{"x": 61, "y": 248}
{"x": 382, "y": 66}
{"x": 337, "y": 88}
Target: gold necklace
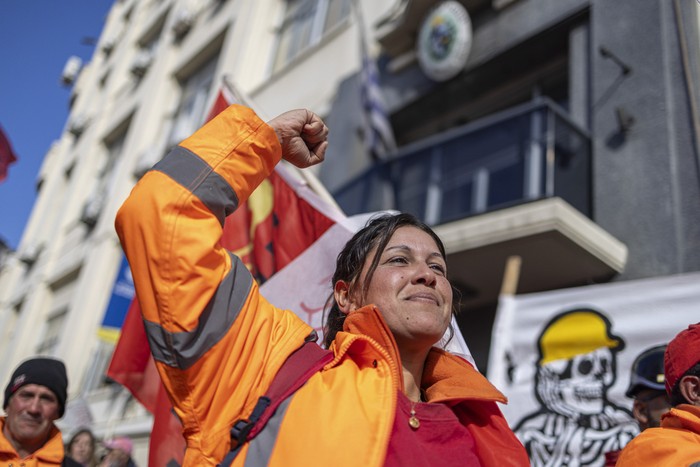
{"x": 413, "y": 421}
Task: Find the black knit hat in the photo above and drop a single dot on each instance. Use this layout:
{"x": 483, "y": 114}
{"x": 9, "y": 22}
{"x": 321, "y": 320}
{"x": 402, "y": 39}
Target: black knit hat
{"x": 44, "y": 372}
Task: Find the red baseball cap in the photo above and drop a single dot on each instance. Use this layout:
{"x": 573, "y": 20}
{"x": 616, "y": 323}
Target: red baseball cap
{"x": 682, "y": 353}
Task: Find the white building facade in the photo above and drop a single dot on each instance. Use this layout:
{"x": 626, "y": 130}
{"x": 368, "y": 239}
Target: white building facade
{"x": 153, "y": 77}
{"x": 566, "y": 135}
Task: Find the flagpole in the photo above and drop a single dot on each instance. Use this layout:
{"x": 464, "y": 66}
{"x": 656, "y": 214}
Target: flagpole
{"x": 511, "y": 276}
{"x": 307, "y": 177}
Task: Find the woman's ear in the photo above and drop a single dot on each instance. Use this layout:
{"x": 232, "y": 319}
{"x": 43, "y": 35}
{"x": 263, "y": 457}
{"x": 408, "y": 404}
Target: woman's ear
{"x": 341, "y": 293}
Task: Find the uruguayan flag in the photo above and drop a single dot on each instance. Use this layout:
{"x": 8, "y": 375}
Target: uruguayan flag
{"x": 378, "y": 134}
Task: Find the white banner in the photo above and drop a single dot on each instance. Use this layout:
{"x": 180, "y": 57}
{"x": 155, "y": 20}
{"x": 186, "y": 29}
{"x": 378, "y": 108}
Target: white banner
{"x": 304, "y": 285}
{"x": 563, "y": 359}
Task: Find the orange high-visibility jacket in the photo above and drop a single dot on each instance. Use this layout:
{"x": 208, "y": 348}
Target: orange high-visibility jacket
{"x": 675, "y": 443}
{"x": 49, "y": 455}
{"x": 218, "y": 343}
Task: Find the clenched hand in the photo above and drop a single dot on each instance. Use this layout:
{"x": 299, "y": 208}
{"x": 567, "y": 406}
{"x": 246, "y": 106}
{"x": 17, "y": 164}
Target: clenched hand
{"x": 303, "y": 136}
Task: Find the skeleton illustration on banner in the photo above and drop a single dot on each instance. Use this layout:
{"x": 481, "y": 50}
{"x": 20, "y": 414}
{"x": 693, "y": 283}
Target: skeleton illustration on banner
{"x": 576, "y": 423}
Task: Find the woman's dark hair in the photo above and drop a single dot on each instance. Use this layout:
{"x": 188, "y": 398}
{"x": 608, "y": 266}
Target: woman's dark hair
{"x": 351, "y": 260}
{"x": 73, "y": 439}
{"x": 676, "y": 395}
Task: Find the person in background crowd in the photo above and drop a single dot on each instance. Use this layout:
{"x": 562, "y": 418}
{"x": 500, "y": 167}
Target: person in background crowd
{"x": 647, "y": 388}
{"x": 677, "y": 440}
{"x": 386, "y": 397}
{"x": 119, "y": 452}
{"x": 82, "y": 448}
{"x": 34, "y": 398}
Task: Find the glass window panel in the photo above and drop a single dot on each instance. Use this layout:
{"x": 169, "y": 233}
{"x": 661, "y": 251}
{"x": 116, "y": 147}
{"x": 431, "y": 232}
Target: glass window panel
{"x": 302, "y": 32}
{"x": 191, "y": 112}
{"x": 506, "y": 184}
{"x": 54, "y": 328}
{"x": 457, "y": 202}
{"x": 356, "y": 196}
{"x": 295, "y": 32}
{"x": 572, "y": 167}
{"x": 298, "y": 32}
{"x": 284, "y": 46}
{"x": 96, "y": 377}
{"x": 338, "y": 10}
{"x": 412, "y": 185}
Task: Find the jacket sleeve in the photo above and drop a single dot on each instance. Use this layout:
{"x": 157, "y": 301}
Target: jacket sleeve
{"x": 217, "y": 343}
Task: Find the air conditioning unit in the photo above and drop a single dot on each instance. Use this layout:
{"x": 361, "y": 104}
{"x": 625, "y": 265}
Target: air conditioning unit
{"x": 110, "y": 40}
{"x": 108, "y": 46}
{"x": 71, "y": 70}
{"x": 184, "y": 20}
{"x": 93, "y": 208}
{"x": 30, "y": 254}
{"x": 141, "y": 62}
{"x": 77, "y": 124}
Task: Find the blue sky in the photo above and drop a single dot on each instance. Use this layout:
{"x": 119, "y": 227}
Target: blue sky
{"x": 37, "y": 37}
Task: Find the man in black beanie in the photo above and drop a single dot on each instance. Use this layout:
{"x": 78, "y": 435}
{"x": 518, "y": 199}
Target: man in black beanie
{"x": 34, "y": 398}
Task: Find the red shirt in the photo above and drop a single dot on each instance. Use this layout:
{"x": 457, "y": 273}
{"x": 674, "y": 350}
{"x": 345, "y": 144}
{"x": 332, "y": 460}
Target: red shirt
{"x": 439, "y": 440}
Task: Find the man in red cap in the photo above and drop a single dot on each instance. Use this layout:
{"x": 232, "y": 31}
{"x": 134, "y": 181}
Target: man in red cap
{"x": 677, "y": 441}
{"x": 34, "y": 398}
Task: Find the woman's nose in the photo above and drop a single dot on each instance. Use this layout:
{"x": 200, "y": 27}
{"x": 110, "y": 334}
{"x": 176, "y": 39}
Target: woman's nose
{"x": 425, "y": 275}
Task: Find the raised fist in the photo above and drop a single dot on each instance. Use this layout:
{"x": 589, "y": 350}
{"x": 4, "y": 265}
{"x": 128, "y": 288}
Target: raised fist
{"x": 303, "y": 136}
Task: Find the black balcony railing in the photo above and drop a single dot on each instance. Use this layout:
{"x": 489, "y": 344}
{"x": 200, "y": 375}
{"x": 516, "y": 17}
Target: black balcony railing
{"x": 525, "y": 153}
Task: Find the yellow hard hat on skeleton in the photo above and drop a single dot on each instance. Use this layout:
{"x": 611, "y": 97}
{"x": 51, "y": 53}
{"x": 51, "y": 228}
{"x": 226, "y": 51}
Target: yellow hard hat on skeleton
{"x": 574, "y": 333}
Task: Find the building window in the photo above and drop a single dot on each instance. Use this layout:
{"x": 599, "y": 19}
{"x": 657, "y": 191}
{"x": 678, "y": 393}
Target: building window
{"x": 10, "y": 324}
{"x": 304, "y": 25}
{"x": 62, "y": 294}
{"x": 52, "y": 335}
{"x": 143, "y": 58}
{"x": 338, "y": 10}
{"x": 147, "y": 48}
{"x": 97, "y": 198}
{"x": 114, "y": 150}
{"x": 96, "y": 376}
{"x": 191, "y": 111}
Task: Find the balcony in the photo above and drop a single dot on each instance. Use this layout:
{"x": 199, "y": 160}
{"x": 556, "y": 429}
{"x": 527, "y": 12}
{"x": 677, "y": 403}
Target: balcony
{"x": 514, "y": 183}
{"x": 523, "y": 154}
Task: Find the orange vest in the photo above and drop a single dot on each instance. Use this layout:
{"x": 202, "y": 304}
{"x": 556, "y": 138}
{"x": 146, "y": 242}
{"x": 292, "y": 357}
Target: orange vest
{"x": 675, "y": 443}
{"x": 218, "y": 343}
{"x": 50, "y": 454}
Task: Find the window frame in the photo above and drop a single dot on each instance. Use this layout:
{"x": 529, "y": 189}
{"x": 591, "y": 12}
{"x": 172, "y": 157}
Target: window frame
{"x": 288, "y": 34}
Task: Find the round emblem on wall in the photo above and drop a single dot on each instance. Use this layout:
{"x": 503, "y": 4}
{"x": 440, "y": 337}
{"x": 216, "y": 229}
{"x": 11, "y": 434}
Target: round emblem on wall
{"x": 444, "y": 41}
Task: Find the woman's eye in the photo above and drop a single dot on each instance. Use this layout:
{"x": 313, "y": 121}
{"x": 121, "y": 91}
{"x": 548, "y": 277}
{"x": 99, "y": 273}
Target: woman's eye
{"x": 398, "y": 259}
{"x": 438, "y": 267}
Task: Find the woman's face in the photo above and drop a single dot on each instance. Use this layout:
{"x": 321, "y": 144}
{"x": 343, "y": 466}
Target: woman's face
{"x": 410, "y": 288}
{"x": 81, "y": 449}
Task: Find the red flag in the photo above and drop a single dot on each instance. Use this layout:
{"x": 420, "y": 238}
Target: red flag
{"x": 279, "y": 221}
{"x": 7, "y": 155}
{"x": 132, "y": 365}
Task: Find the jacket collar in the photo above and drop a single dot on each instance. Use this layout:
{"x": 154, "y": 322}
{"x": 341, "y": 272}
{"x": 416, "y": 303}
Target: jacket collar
{"x": 446, "y": 377}
{"x": 684, "y": 416}
{"x": 51, "y": 452}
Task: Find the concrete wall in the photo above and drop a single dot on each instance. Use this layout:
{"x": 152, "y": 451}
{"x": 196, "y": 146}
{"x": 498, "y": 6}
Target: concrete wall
{"x": 646, "y": 181}
{"x": 77, "y": 265}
